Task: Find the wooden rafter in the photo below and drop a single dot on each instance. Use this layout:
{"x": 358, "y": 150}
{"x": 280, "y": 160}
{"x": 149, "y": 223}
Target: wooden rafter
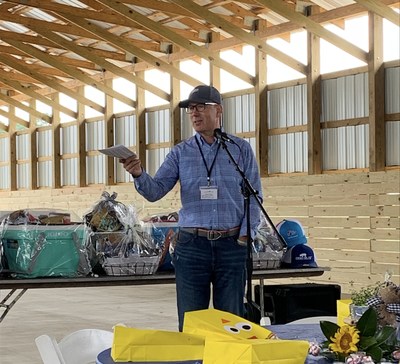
{"x": 100, "y": 40}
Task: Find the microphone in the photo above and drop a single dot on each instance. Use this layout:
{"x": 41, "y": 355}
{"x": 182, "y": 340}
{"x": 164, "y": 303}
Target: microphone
{"x": 220, "y": 135}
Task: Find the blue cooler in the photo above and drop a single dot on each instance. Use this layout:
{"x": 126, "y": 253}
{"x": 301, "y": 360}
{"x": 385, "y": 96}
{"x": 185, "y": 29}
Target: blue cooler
{"x": 162, "y": 233}
{"x": 45, "y": 250}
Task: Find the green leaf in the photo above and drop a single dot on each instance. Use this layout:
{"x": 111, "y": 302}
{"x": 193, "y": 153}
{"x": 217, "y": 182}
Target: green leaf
{"x": 367, "y": 324}
{"x": 384, "y": 334}
{"x": 366, "y": 342}
{"x": 375, "y": 352}
{"x": 329, "y": 329}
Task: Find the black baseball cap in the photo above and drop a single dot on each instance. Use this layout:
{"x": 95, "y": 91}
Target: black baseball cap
{"x": 201, "y": 95}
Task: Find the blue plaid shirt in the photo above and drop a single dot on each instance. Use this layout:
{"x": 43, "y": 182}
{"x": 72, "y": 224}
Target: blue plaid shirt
{"x": 185, "y": 163}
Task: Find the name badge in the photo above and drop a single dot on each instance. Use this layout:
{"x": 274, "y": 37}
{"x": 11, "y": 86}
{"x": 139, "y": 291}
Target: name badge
{"x": 209, "y": 192}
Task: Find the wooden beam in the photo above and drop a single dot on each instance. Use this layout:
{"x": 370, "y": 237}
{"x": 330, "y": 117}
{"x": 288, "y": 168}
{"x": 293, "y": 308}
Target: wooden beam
{"x": 83, "y": 77}
{"x": 36, "y": 96}
{"x": 20, "y": 105}
{"x": 239, "y": 33}
{"x": 175, "y": 110}
{"x": 105, "y": 16}
{"x": 314, "y": 102}
{"x": 33, "y": 157}
{"x": 379, "y": 8}
{"x": 13, "y": 151}
{"x": 131, "y": 49}
{"x": 3, "y": 126}
{"x": 141, "y": 125}
{"x": 109, "y": 139}
{"x": 314, "y": 28}
{"x": 118, "y": 71}
{"x": 81, "y": 141}
{"x": 261, "y": 112}
{"x": 376, "y": 85}
{"x": 50, "y": 83}
{"x": 13, "y": 119}
{"x": 169, "y": 34}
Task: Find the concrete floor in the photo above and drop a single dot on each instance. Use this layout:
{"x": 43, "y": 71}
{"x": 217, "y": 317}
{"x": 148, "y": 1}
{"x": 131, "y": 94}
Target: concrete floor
{"x": 60, "y": 311}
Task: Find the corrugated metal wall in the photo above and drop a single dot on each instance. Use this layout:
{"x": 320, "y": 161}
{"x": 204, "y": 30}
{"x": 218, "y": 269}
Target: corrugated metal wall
{"x": 125, "y": 134}
{"x": 158, "y": 130}
{"x": 342, "y": 147}
{"x": 287, "y": 153}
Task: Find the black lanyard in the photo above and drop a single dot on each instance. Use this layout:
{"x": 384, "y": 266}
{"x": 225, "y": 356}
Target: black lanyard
{"x": 205, "y": 163}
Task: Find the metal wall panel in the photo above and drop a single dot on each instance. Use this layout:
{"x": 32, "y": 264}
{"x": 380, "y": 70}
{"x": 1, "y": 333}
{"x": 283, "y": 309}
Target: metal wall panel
{"x": 4, "y": 177}
{"x": 44, "y": 146}
{"x": 69, "y": 172}
{"x": 44, "y": 143}
{"x": 392, "y": 90}
{"x": 393, "y": 143}
{"x": 125, "y": 134}
{"x": 158, "y": 130}
{"x": 342, "y": 148}
{"x": 69, "y": 140}
{"x": 392, "y": 105}
{"x": 4, "y": 158}
{"x": 158, "y": 126}
{"x": 45, "y": 177}
{"x": 23, "y": 142}
{"x": 344, "y": 98}
{"x": 287, "y": 107}
{"x": 345, "y": 147}
{"x": 186, "y": 125}
{"x": 95, "y": 171}
{"x": 239, "y": 114}
{"x": 95, "y": 138}
{"x": 23, "y": 175}
{"x": 95, "y": 164}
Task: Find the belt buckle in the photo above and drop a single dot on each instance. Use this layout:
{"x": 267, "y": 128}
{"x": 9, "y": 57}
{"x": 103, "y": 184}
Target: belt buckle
{"x": 213, "y": 235}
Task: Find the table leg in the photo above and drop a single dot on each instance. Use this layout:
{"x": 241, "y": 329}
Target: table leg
{"x": 4, "y": 302}
{"x": 262, "y": 311}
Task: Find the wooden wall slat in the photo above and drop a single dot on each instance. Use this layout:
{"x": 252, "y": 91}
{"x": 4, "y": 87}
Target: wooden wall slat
{"x": 344, "y": 222}
{"x": 382, "y": 245}
{"x": 351, "y": 219}
{"x": 385, "y": 222}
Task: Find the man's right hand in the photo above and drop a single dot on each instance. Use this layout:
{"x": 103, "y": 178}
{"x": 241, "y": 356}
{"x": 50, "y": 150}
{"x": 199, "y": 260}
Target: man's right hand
{"x": 132, "y": 165}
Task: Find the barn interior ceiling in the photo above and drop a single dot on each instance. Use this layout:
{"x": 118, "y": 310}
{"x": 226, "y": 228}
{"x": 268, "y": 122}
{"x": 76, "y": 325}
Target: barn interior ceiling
{"x": 55, "y": 46}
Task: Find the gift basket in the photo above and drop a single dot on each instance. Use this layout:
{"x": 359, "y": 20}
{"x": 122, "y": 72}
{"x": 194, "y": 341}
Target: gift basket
{"x": 117, "y": 240}
{"x": 163, "y": 228}
{"x": 43, "y": 243}
{"x": 268, "y": 248}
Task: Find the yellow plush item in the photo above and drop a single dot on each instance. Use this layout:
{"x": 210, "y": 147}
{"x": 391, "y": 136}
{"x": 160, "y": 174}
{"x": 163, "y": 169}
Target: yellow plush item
{"x": 222, "y": 325}
{"x": 255, "y": 351}
{"x": 343, "y": 311}
{"x": 231, "y": 339}
{"x": 141, "y": 345}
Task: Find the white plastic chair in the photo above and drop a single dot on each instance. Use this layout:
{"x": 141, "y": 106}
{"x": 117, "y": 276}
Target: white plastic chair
{"x": 79, "y": 347}
{"x": 314, "y": 320}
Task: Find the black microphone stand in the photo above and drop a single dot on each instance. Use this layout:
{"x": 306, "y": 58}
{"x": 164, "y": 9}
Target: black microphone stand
{"x": 252, "y": 309}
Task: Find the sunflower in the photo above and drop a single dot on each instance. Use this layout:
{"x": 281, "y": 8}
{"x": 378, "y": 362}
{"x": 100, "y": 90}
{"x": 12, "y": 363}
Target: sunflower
{"x": 345, "y": 340}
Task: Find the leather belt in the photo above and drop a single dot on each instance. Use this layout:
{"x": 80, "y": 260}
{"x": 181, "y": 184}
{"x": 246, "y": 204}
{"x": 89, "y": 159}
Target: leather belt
{"x": 212, "y": 234}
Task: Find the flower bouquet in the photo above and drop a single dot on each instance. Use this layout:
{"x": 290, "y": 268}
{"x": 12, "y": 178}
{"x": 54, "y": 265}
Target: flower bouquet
{"x": 365, "y": 342}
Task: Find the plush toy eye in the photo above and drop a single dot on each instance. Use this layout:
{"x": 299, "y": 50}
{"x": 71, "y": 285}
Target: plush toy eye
{"x": 245, "y": 326}
{"x": 232, "y": 329}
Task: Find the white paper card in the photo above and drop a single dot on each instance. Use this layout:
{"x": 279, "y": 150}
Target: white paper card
{"x": 118, "y": 151}
{"x": 208, "y": 192}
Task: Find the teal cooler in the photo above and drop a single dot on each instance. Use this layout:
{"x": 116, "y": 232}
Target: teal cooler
{"x": 45, "y": 250}
{"x": 163, "y": 233}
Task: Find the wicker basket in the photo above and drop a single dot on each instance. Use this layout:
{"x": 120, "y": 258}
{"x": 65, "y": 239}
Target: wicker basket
{"x": 265, "y": 261}
{"x": 131, "y": 266}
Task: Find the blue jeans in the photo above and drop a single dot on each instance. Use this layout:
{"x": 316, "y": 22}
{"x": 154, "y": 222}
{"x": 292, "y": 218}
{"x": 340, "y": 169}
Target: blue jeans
{"x": 201, "y": 264}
